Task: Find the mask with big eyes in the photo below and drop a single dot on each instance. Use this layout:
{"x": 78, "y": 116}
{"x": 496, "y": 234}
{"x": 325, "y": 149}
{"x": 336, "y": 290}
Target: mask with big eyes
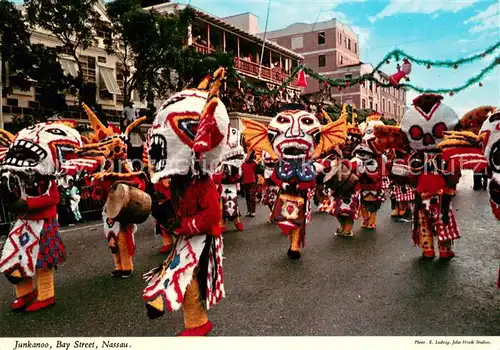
{"x": 171, "y": 137}
{"x": 42, "y": 149}
{"x": 294, "y": 134}
{"x": 426, "y": 123}
{"x": 352, "y": 141}
{"x": 491, "y": 143}
{"x": 234, "y": 153}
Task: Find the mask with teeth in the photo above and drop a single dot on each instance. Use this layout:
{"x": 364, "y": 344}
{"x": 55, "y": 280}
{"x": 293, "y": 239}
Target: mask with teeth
{"x": 41, "y": 149}
{"x": 234, "y": 153}
{"x": 190, "y": 127}
{"x": 491, "y": 143}
{"x": 294, "y": 134}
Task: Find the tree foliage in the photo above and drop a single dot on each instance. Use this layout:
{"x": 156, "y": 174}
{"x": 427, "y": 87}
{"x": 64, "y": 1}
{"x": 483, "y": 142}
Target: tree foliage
{"x": 71, "y": 22}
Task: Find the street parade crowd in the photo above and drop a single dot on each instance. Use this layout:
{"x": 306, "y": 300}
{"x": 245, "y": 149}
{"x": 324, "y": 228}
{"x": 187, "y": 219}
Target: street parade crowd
{"x": 196, "y": 164}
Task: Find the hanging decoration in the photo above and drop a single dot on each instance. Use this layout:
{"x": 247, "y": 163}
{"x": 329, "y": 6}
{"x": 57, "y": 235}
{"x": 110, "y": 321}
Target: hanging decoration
{"x": 397, "y": 55}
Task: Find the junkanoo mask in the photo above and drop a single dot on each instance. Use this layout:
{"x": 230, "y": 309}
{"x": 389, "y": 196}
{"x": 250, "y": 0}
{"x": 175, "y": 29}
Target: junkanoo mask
{"x": 491, "y": 142}
{"x": 41, "y": 149}
{"x": 426, "y": 123}
{"x": 294, "y": 135}
{"x": 191, "y": 126}
{"x": 234, "y": 154}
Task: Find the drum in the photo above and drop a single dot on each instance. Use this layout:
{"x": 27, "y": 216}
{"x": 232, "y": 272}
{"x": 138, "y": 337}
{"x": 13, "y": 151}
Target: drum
{"x": 341, "y": 180}
{"x": 128, "y": 205}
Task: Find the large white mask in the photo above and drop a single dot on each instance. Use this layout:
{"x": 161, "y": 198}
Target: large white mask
{"x": 172, "y": 136}
{"x": 294, "y": 134}
{"x": 491, "y": 132}
{"x": 425, "y": 124}
{"x": 41, "y": 149}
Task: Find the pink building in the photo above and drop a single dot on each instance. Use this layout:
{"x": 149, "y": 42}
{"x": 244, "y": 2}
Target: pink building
{"x": 331, "y": 48}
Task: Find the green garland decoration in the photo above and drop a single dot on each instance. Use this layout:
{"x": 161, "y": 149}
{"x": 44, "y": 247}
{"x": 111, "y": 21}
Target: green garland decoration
{"x": 397, "y": 55}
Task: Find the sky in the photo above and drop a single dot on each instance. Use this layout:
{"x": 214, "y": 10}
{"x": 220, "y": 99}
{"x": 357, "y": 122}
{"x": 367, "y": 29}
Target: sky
{"x": 428, "y": 29}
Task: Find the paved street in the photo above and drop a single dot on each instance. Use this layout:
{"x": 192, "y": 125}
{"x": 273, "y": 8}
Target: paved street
{"x": 372, "y": 284}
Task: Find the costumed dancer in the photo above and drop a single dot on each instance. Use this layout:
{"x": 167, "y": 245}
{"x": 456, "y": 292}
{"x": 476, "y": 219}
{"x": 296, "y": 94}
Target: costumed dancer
{"x": 422, "y": 128}
{"x": 296, "y": 139}
{"x": 228, "y": 177}
{"x": 401, "y": 191}
{"x": 126, "y": 202}
{"x": 31, "y": 162}
{"x": 370, "y": 167}
{"x": 342, "y": 186}
{"x": 185, "y": 145}
{"x": 466, "y": 145}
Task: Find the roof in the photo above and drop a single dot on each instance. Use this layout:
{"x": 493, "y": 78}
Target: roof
{"x": 166, "y": 7}
{"x": 301, "y": 28}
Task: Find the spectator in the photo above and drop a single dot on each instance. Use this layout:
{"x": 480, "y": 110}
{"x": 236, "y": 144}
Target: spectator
{"x": 66, "y": 216}
{"x": 249, "y": 183}
{"x": 73, "y": 194}
{"x": 129, "y": 115}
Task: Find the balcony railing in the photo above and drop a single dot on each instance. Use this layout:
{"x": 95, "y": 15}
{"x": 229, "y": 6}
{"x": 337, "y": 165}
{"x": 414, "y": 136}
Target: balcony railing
{"x": 274, "y": 75}
{"x": 203, "y": 49}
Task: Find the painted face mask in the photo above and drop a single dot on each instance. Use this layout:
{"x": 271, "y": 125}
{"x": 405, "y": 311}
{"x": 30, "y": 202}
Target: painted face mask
{"x": 41, "y": 149}
{"x": 294, "y": 134}
{"x": 426, "y": 123}
{"x": 491, "y": 144}
{"x": 190, "y": 126}
{"x": 234, "y": 154}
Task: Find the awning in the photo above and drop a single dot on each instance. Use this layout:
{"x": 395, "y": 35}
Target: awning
{"x": 109, "y": 78}
{"x": 69, "y": 67}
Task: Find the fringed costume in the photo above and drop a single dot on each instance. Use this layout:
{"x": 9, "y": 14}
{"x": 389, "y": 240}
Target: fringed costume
{"x": 370, "y": 168}
{"x": 185, "y": 145}
{"x": 270, "y": 190}
{"x": 422, "y": 128}
{"x": 342, "y": 186}
{"x": 126, "y": 202}
{"x": 228, "y": 177}
{"x": 479, "y": 134}
{"x": 401, "y": 191}
{"x": 295, "y": 138}
{"x": 31, "y": 163}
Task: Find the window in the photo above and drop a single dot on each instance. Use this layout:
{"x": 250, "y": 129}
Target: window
{"x": 34, "y": 104}
{"x": 321, "y": 38}
{"x": 101, "y": 59}
{"x": 371, "y": 86}
{"x": 12, "y": 102}
{"x": 340, "y": 38}
{"x": 297, "y": 42}
{"x": 120, "y": 81}
{"x": 363, "y": 103}
{"x": 341, "y": 60}
{"x": 88, "y": 68}
{"x": 389, "y": 106}
{"x": 383, "y": 105}
{"x": 394, "y": 107}
{"x": 321, "y": 60}
{"x": 348, "y": 76}
{"x": 103, "y": 30}
{"x": 355, "y": 48}
{"x": 376, "y": 106}
{"x": 348, "y": 43}
{"x": 371, "y": 105}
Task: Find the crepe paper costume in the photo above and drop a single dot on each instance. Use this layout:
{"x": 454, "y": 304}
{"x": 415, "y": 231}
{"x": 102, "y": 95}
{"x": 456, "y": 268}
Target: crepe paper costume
{"x": 371, "y": 168}
{"x": 185, "y": 144}
{"x": 465, "y": 147}
{"x": 31, "y": 163}
{"x": 423, "y": 127}
{"x": 270, "y": 189}
{"x": 342, "y": 191}
{"x": 116, "y": 182}
{"x": 295, "y": 139}
{"x": 401, "y": 191}
{"x": 228, "y": 177}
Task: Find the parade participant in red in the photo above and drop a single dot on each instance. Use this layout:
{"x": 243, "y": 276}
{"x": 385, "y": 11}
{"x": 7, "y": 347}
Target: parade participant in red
{"x": 249, "y": 183}
{"x": 371, "y": 167}
{"x": 115, "y": 183}
{"x": 295, "y": 138}
{"x": 228, "y": 177}
{"x": 31, "y": 163}
{"x": 185, "y": 145}
{"x": 423, "y": 127}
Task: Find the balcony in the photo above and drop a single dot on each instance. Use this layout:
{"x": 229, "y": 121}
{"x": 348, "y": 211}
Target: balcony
{"x": 203, "y": 49}
{"x": 273, "y": 75}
